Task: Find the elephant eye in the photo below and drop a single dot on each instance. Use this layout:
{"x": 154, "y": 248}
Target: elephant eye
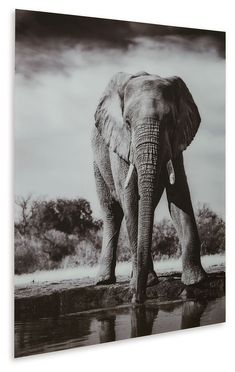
{"x": 128, "y": 123}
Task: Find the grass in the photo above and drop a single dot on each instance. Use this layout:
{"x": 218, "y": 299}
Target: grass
{"x": 214, "y": 262}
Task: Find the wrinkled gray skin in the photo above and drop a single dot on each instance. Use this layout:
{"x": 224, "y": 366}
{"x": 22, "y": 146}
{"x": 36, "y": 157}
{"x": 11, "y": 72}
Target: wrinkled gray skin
{"x": 142, "y": 124}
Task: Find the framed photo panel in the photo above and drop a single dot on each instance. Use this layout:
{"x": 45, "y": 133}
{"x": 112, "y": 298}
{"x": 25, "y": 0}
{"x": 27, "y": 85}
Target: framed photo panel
{"x": 119, "y": 180}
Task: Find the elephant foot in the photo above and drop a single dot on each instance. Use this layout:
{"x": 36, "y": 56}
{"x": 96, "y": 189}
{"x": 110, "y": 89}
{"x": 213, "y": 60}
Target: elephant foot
{"x": 138, "y": 299}
{"x": 105, "y": 280}
{"x": 152, "y": 279}
{"x": 193, "y": 275}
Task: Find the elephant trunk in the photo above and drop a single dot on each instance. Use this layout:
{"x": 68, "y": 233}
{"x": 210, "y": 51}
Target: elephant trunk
{"x": 148, "y": 169}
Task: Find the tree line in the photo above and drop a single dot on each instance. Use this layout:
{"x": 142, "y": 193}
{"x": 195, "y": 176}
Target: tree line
{"x": 63, "y": 232}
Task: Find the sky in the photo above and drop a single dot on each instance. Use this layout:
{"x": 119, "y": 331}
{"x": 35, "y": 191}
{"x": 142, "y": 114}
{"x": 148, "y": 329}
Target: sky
{"x": 63, "y": 64}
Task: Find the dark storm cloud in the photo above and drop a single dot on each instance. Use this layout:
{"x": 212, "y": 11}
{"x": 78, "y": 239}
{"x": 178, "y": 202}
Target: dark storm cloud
{"x": 42, "y": 38}
{"x": 40, "y": 27}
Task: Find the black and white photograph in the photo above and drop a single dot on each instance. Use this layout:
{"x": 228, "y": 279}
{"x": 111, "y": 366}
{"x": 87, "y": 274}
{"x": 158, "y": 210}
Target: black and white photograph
{"x": 119, "y": 180}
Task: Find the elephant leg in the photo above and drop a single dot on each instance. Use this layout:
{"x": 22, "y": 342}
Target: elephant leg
{"x": 130, "y": 209}
{"x": 181, "y": 210}
{"x": 152, "y": 276}
{"x": 112, "y": 218}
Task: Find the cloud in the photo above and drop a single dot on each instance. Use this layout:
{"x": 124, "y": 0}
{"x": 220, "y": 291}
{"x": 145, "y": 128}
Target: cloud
{"x": 56, "y": 94}
{"x": 40, "y": 27}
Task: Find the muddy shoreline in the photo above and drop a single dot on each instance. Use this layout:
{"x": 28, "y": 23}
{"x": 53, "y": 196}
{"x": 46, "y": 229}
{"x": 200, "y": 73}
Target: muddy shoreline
{"x": 39, "y": 300}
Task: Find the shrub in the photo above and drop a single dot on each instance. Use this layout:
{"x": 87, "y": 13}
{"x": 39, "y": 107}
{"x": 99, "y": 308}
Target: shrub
{"x": 165, "y": 241}
{"x": 62, "y": 233}
{"x": 29, "y": 256}
{"x": 211, "y": 230}
{"x": 57, "y": 245}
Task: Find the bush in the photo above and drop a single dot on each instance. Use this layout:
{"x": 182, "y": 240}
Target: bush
{"x": 123, "y": 249}
{"x": 84, "y": 254}
{"x": 47, "y": 232}
{"x": 63, "y": 233}
{"x": 211, "y": 230}
{"x": 165, "y": 242}
{"x": 57, "y": 245}
{"x": 29, "y": 256}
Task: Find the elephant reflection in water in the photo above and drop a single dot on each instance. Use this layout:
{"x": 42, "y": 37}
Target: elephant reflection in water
{"x": 191, "y": 313}
{"x": 107, "y": 329}
{"x": 142, "y": 319}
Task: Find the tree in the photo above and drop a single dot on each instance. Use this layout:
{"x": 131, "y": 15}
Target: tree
{"x": 22, "y": 225}
{"x": 211, "y": 230}
{"x": 54, "y": 229}
{"x": 70, "y": 216}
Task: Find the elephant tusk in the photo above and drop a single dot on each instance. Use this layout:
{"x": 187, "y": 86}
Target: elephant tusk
{"x": 129, "y": 174}
{"x": 171, "y": 172}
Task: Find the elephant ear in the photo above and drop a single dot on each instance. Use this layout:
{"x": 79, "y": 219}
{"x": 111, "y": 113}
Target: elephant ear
{"x": 185, "y": 115}
{"x": 108, "y": 117}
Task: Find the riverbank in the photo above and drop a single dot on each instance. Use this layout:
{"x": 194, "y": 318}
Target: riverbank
{"x": 67, "y": 297}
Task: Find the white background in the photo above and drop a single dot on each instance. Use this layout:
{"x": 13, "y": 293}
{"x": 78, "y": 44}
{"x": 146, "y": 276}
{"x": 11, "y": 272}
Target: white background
{"x": 209, "y": 348}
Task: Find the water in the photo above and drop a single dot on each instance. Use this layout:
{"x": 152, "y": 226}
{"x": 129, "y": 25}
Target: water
{"x": 93, "y": 327}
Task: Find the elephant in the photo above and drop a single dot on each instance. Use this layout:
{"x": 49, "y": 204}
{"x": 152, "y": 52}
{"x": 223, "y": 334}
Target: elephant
{"x": 143, "y": 123}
